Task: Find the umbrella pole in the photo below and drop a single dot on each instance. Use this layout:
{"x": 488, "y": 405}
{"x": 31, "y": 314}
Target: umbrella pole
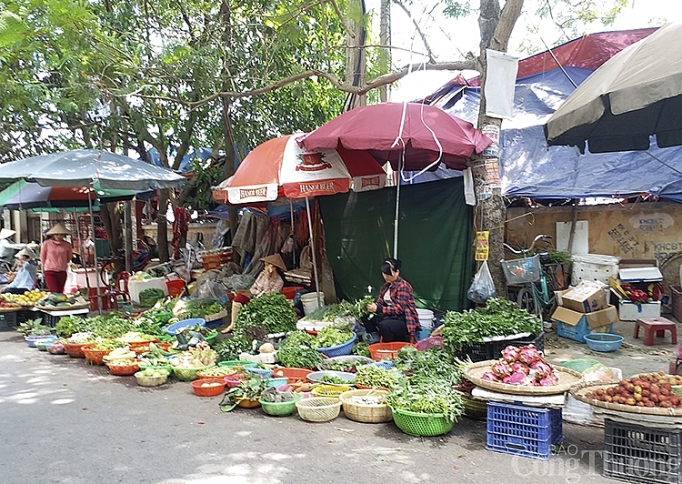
{"x": 291, "y": 212}
{"x": 312, "y": 248}
{"x": 94, "y": 238}
{"x": 397, "y": 208}
{"x": 83, "y": 264}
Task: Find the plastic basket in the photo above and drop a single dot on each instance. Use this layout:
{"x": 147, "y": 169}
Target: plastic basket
{"x": 280, "y": 408}
{"x": 386, "y": 351}
{"x": 238, "y": 363}
{"x": 150, "y": 381}
{"x": 292, "y": 374}
{"x": 365, "y": 413}
{"x": 640, "y": 453}
{"x": 521, "y": 271}
{"x": 318, "y": 409}
{"x": 339, "y": 350}
{"x": 521, "y": 430}
{"x": 277, "y": 382}
{"x": 603, "y": 342}
{"x": 75, "y": 350}
{"x": 329, "y": 391}
{"x": 263, "y": 373}
{"x": 94, "y": 356}
{"x": 421, "y": 424}
{"x": 123, "y": 370}
{"x": 474, "y": 409}
{"x": 214, "y": 391}
{"x": 188, "y": 374}
{"x": 174, "y": 328}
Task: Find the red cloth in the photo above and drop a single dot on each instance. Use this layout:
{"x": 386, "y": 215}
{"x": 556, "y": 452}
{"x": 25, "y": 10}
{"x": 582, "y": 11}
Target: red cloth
{"x": 180, "y": 228}
{"x": 55, "y": 280}
{"x": 403, "y": 305}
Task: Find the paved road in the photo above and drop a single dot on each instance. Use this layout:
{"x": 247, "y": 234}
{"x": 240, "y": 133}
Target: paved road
{"x": 64, "y": 422}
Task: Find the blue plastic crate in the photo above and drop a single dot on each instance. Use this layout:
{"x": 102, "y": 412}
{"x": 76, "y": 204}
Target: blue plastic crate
{"x": 521, "y": 430}
{"x": 580, "y": 330}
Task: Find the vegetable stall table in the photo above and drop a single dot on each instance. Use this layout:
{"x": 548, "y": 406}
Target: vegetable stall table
{"x": 52, "y": 316}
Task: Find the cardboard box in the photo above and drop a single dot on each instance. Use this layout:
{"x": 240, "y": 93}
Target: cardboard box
{"x": 586, "y": 297}
{"x": 575, "y": 325}
{"x": 629, "y": 311}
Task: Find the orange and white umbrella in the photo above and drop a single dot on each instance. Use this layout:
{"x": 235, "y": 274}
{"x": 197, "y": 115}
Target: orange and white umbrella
{"x": 280, "y": 167}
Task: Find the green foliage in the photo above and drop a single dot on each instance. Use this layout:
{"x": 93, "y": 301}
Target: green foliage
{"x": 34, "y": 327}
{"x": 558, "y": 257}
{"x": 271, "y": 312}
{"x": 499, "y": 317}
{"x": 230, "y": 349}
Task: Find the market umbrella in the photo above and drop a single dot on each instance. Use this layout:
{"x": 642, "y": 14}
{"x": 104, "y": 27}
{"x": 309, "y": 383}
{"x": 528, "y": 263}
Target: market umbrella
{"x": 412, "y": 136}
{"x": 632, "y": 96}
{"x": 280, "y": 167}
{"x": 80, "y": 168}
{"x": 416, "y": 135}
{"x": 85, "y": 168}
{"x": 25, "y": 195}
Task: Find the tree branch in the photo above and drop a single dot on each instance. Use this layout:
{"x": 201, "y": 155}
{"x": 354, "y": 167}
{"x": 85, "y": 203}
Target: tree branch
{"x": 416, "y": 26}
{"x": 342, "y": 86}
{"x": 508, "y": 18}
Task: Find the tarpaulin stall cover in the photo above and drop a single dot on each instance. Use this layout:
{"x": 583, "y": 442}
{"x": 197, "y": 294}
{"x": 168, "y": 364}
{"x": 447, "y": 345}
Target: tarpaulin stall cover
{"x": 529, "y": 168}
{"x": 435, "y": 233}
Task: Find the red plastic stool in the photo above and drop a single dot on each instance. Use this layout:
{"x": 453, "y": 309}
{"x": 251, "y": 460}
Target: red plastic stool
{"x": 655, "y": 326}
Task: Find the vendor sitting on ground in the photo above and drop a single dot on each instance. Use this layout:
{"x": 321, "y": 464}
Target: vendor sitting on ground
{"x": 268, "y": 281}
{"x": 395, "y": 315}
{"x": 25, "y": 278}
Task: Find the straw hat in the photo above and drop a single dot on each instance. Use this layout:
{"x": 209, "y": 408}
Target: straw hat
{"x": 57, "y": 230}
{"x": 5, "y": 233}
{"x": 275, "y": 260}
{"x": 24, "y": 252}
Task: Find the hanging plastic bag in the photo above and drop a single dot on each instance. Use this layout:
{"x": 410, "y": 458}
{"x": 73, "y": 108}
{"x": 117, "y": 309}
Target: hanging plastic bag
{"x": 483, "y": 287}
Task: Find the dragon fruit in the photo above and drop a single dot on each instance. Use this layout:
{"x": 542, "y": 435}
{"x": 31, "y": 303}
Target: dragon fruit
{"x": 489, "y": 376}
{"x": 516, "y": 379}
{"x": 549, "y": 380}
{"x": 501, "y": 369}
{"x": 541, "y": 369}
{"x": 528, "y": 355}
{"x": 519, "y": 367}
{"x": 510, "y": 354}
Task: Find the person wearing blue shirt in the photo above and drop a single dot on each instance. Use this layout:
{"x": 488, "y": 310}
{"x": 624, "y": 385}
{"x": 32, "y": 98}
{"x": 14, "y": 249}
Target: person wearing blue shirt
{"x": 25, "y": 278}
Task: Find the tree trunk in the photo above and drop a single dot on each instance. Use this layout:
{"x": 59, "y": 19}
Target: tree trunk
{"x": 496, "y": 27}
{"x": 162, "y": 227}
{"x": 112, "y": 225}
{"x": 385, "y": 40}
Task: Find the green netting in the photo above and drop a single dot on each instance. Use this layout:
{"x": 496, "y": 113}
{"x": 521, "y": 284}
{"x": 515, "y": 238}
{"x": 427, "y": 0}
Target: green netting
{"x": 434, "y": 241}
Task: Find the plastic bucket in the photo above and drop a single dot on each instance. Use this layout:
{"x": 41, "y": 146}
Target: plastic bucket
{"x": 425, "y": 318}
{"x": 310, "y": 303}
{"x": 176, "y": 287}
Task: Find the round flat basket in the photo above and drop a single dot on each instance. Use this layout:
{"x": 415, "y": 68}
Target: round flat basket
{"x": 473, "y": 408}
{"x": 567, "y": 379}
{"x": 580, "y": 392}
{"x": 318, "y": 409}
{"x": 280, "y": 408}
{"x": 422, "y": 424}
{"x": 365, "y": 412}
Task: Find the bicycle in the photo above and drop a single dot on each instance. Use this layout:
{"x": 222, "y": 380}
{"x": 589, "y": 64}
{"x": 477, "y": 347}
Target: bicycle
{"x": 537, "y": 292}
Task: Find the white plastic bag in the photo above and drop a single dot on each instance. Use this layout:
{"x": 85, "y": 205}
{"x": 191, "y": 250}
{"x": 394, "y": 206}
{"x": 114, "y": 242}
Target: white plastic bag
{"x": 483, "y": 287}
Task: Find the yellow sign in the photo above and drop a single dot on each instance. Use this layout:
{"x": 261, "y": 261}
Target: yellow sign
{"x": 481, "y": 247}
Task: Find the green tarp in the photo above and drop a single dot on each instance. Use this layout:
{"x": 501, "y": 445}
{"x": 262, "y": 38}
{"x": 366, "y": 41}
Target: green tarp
{"x": 434, "y": 241}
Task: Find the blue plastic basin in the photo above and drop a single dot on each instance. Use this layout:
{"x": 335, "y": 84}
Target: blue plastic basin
{"x": 603, "y": 342}
{"x": 175, "y": 327}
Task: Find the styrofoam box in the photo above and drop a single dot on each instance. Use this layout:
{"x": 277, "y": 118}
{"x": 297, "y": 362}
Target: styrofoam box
{"x": 594, "y": 267}
{"x": 629, "y": 311}
{"x": 135, "y": 287}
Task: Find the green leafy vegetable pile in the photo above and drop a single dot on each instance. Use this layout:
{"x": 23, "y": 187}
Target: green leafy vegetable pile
{"x": 298, "y": 351}
{"x": 149, "y": 296}
{"x": 426, "y": 395}
{"x": 230, "y": 349}
{"x": 377, "y": 377}
{"x": 332, "y": 336}
{"x": 272, "y": 312}
{"x": 499, "y": 317}
{"x": 332, "y": 312}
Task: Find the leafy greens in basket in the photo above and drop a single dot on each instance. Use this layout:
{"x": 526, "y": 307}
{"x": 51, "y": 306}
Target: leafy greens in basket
{"x": 498, "y": 317}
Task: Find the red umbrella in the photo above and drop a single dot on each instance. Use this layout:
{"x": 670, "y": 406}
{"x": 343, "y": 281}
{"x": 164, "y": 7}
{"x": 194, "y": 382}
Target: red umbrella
{"x": 423, "y": 132}
{"x": 280, "y": 167}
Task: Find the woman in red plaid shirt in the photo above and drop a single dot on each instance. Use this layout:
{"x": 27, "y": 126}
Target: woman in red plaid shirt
{"x": 396, "y": 316}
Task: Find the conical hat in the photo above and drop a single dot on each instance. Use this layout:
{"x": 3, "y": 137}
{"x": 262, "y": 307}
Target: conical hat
{"x": 24, "y": 252}
{"x": 57, "y": 229}
{"x": 5, "y": 233}
{"x": 275, "y": 260}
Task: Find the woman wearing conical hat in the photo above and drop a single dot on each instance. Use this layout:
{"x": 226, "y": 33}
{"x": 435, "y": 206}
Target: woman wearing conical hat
{"x": 268, "y": 281}
{"x": 55, "y": 255}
